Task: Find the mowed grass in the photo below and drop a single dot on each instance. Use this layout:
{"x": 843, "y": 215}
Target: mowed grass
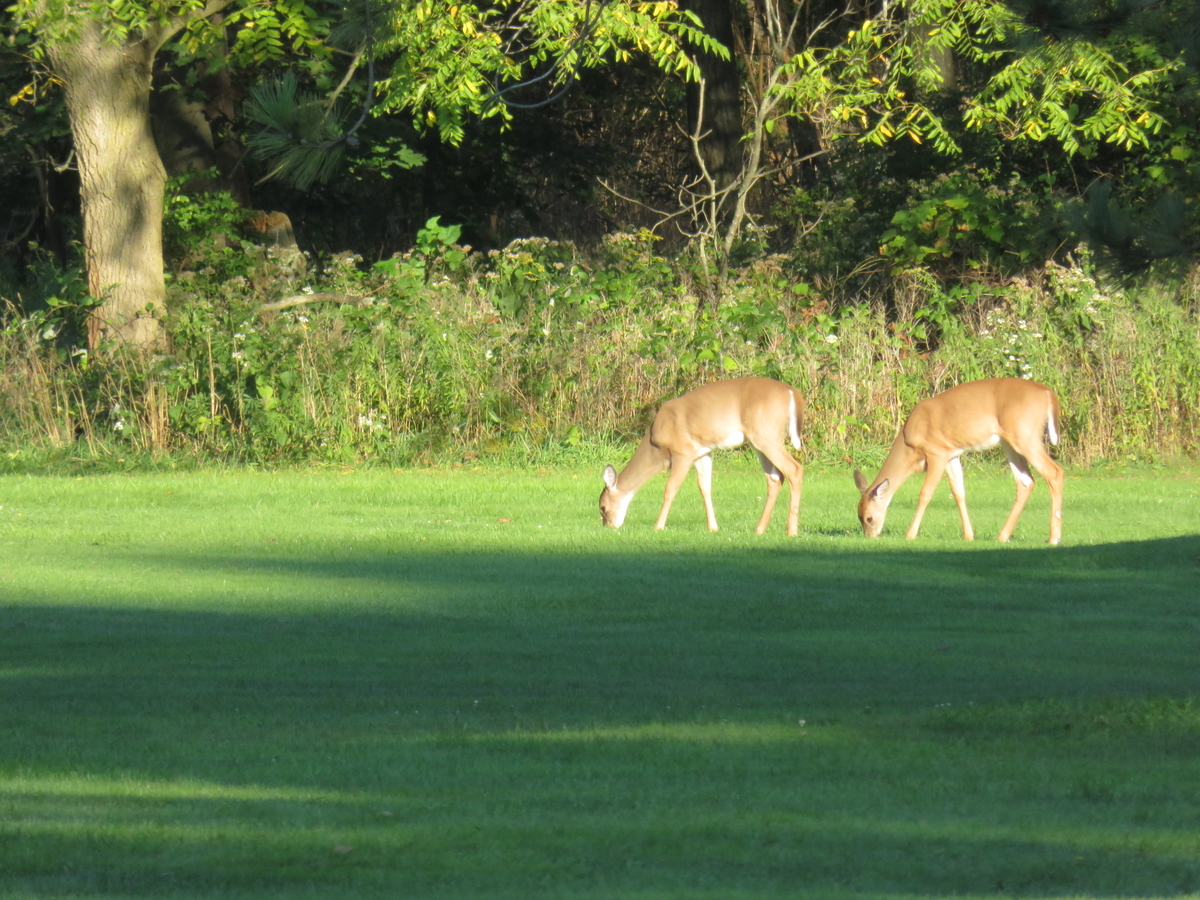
{"x": 457, "y": 684}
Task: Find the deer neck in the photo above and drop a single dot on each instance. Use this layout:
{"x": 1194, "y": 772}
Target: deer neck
{"x": 647, "y": 461}
{"x": 902, "y": 462}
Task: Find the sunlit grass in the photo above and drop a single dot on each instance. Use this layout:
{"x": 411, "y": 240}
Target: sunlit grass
{"x": 457, "y": 684}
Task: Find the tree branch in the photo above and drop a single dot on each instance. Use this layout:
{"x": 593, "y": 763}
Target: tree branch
{"x": 176, "y": 24}
{"x": 303, "y": 299}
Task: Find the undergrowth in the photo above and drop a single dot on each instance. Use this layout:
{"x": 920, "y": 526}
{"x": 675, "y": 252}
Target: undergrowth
{"x": 539, "y": 350}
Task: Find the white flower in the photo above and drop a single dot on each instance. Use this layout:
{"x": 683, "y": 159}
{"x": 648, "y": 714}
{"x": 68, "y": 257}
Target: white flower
{"x": 831, "y": 338}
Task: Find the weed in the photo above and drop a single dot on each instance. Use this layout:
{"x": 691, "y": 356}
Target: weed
{"x": 439, "y": 352}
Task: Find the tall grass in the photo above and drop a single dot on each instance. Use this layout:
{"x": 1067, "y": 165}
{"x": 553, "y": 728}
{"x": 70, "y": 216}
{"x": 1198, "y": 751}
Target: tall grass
{"x": 438, "y": 355}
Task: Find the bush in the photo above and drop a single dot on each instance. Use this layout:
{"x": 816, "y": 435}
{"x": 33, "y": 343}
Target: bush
{"x": 437, "y": 354}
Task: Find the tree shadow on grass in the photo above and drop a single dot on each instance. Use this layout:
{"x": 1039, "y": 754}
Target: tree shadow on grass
{"x": 758, "y": 723}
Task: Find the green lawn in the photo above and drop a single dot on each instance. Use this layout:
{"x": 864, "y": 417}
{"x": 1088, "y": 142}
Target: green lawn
{"x": 457, "y": 684}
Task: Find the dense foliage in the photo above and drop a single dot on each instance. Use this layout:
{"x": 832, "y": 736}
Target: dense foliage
{"x": 441, "y": 354}
{"x": 510, "y": 242}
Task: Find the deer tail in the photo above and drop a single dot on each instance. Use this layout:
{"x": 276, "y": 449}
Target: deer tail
{"x": 795, "y": 414}
{"x": 1052, "y": 419}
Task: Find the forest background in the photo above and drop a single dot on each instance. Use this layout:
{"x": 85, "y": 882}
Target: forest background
{"x": 432, "y": 232}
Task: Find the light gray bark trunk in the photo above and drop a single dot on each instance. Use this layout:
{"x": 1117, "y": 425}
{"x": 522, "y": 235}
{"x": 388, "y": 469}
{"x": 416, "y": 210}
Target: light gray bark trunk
{"x": 122, "y": 180}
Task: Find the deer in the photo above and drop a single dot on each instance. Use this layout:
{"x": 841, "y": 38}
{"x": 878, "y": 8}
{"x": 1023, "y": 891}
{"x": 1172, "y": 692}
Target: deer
{"x": 1011, "y": 412}
{"x": 721, "y": 415}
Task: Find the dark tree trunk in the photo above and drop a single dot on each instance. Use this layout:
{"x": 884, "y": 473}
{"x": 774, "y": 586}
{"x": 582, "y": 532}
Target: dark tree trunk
{"x": 721, "y": 101}
{"x": 191, "y": 127}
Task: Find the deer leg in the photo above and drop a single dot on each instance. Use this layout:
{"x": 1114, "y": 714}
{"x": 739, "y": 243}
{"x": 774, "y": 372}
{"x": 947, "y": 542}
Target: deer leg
{"x": 679, "y": 469}
{"x": 795, "y": 487}
{"x": 782, "y": 466}
{"x": 954, "y": 474}
{"x": 933, "y": 474}
{"x": 1053, "y": 473}
{"x": 704, "y": 468}
{"x": 1020, "y": 469}
{"x": 774, "y": 481}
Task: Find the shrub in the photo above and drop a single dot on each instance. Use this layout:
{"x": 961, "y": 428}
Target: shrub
{"x": 437, "y": 354}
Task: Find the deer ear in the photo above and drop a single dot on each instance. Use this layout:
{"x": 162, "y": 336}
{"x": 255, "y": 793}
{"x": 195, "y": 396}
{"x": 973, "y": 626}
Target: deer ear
{"x": 860, "y": 481}
{"x": 879, "y": 489}
{"x": 610, "y": 476}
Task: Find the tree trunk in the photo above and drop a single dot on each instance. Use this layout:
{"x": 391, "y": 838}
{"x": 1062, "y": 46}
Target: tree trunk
{"x": 191, "y": 127}
{"x": 721, "y": 144}
{"x": 107, "y": 84}
{"x": 941, "y": 58}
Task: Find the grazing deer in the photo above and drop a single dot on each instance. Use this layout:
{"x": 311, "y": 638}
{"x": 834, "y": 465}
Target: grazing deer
{"x": 717, "y": 416}
{"x": 1011, "y": 412}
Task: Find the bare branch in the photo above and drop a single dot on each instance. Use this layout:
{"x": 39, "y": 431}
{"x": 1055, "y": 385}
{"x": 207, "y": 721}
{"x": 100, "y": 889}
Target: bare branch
{"x": 304, "y": 299}
{"x": 589, "y": 24}
{"x": 347, "y": 78}
{"x": 612, "y": 190}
